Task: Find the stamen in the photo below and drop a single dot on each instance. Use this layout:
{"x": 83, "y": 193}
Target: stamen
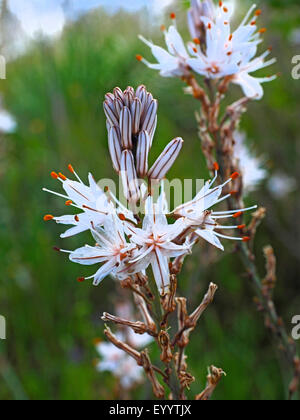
{"x": 209, "y": 26}
{"x": 163, "y": 28}
{"x": 246, "y": 239}
{"x": 197, "y": 41}
{"x": 237, "y": 215}
{"x": 235, "y": 175}
{"x": 253, "y": 23}
{"x": 220, "y": 3}
{"x": 122, "y": 217}
{"x": 258, "y": 12}
{"x": 216, "y": 166}
{"x": 56, "y": 193}
{"x": 233, "y": 192}
{"x": 62, "y": 176}
{"x": 241, "y": 227}
{"x": 76, "y": 218}
{"x": 69, "y": 203}
{"x": 48, "y": 217}
{"x": 139, "y": 57}
{"x": 225, "y": 9}
{"x": 231, "y": 212}
{"x": 71, "y": 169}
{"x": 81, "y": 279}
{"x": 56, "y": 249}
{"x": 228, "y": 237}
{"x": 230, "y": 37}
{"x": 262, "y": 30}
{"x": 54, "y": 175}
{"x": 173, "y": 16}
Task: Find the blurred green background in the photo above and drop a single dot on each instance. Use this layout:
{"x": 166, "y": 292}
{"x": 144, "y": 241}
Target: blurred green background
{"x": 54, "y": 90}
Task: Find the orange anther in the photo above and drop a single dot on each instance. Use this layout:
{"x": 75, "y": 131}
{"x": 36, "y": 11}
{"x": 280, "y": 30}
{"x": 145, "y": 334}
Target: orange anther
{"x": 71, "y": 169}
{"x": 238, "y": 214}
{"x": 48, "y": 217}
{"x": 81, "y": 279}
{"x": 69, "y": 203}
{"x": 230, "y": 37}
{"x": 173, "y": 16}
{"x": 216, "y": 166}
{"x": 61, "y": 176}
{"x": 76, "y": 218}
{"x": 258, "y": 12}
{"x": 220, "y": 3}
{"x": 229, "y": 53}
{"x": 209, "y": 26}
{"x": 195, "y": 50}
{"x": 233, "y": 192}
{"x": 246, "y": 239}
{"x": 225, "y": 9}
{"x": 235, "y": 175}
{"x": 139, "y": 57}
{"x": 241, "y": 226}
{"x": 197, "y": 41}
{"x": 54, "y": 175}
{"x": 122, "y": 217}
{"x": 262, "y": 30}
{"x": 253, "y": 23}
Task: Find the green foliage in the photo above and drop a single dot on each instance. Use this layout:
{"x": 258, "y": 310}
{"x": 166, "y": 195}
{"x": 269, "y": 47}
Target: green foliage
{"x": 55, "y": 91}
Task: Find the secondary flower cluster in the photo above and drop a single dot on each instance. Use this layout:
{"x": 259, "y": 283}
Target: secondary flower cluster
{"x": 215, "y": 52}
{"x": 125, "y": 243}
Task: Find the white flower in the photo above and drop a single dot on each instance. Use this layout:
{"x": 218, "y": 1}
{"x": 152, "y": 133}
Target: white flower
{"x": 203, "y": 221}
{"x": 172, "y": 62}
{"x": 250, "y": 166}
{"x": 119, "y": 363}
{"x": 112, "y": 250}
{"x": 225, "y": 53}
{"x": 155, "y": 242}
{"x": 91, "y": 200}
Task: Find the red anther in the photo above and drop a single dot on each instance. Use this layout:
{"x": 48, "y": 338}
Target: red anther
{"x": 220, "y": 3}
{"x": 230, "y": 37}
{"x": 196, "y": 41}
{"x": 195, "y": 50}
{"x": 262, "y": 30}
{"x": 71, "y": 169}
{"x": 253, "y": 23}
{"x": 235, "y": 175}
{"x": 258, "y": 12}
{"x": 122, "y": 217}
{"x": 238, "y": 214}
{"x": 139, "y": 57}
{"x": 55, "y": 248}
{"x": 48, "y": 217}
{"x": 225, "y": 9}
{"x": 209, "y": 26}
{"x": 216, "y": 166}
{"x": 54, "y": 175}
{"x": 246, "y": 239}
{"x": 229, "y": 53}
{"x": 81, "y": 279}
{"x": 241, "y": 227}
{"x": 61, "y": 176}
{"x": 106, "y": 189}
{"x": 69, "y": 202}
{"x": 173, "y": 16}
{"x": 76, "y": 218}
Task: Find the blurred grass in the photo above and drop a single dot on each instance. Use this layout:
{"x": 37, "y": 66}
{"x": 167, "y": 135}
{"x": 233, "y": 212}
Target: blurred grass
{"x": 55, "y": 91}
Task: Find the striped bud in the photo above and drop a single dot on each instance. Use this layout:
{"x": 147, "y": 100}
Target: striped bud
{"x": 126, "y": 128}
{"x": 118, "y": 93}
{"x": 115, "y": 149}
{"x": 128, "y": 98}
{"x": 129, "y": 177}
{"x": 110, "y": 113}
{"x": 150, "y": 115}
{"x": 142, "y": 153}
{"x": 152, "y": 131}
{"x": 141, "y": 94}
{"x": 165, "y": 161}
{"x": 136, "y": 110}
{"x": 118, "y": 105}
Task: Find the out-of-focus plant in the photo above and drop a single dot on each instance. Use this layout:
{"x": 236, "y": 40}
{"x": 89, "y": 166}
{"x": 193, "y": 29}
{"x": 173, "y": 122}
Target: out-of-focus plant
{"x": 222, "y": 57}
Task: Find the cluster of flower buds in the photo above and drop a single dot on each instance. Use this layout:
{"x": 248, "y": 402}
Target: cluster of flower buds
{"x": 131, "y": 124}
